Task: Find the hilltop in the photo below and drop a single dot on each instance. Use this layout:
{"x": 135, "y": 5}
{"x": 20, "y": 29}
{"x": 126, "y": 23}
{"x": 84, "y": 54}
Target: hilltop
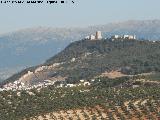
{"x": 89, "y": 79}
{"x": 87, "y": 59}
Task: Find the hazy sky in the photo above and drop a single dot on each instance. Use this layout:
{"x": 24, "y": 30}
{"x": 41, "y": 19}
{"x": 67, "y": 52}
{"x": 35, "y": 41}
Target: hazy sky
{"x": 82, "y": 13}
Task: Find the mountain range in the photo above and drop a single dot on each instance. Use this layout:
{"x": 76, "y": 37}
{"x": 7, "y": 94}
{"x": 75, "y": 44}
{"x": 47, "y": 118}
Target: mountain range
{"x": 32, "y": 46}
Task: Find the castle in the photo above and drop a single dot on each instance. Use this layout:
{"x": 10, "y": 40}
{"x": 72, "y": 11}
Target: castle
{"x": 98, "y": 36}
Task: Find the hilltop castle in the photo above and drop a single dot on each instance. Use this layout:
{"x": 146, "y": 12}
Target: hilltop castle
{"x": 98, "y": 36}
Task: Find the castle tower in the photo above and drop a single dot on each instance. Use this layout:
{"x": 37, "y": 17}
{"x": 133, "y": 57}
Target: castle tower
{"x": 98, "y": 35}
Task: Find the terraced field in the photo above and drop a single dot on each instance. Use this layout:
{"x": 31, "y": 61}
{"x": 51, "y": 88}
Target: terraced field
{"x": 133, "y": 110}
{"x": 104, "y": 99}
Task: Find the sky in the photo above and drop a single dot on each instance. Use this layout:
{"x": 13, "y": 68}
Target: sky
{"x": 80, "y": 14}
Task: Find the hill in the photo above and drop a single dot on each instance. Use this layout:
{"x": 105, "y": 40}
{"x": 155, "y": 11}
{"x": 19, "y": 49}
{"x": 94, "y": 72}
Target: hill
{"x": 87, "y": 59}
{"x": 88, "y": 80}
{"x": 32, "y": 46}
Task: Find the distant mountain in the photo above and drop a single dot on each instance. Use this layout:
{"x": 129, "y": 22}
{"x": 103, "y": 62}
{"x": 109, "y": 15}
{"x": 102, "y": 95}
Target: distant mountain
{"x": 33, "y": 46}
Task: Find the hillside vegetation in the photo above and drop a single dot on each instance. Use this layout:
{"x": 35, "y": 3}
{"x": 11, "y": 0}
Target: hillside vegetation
{"x": 123, "y": 78}
{"x": 104, "y": 99}
{"x": 92, "y": 58}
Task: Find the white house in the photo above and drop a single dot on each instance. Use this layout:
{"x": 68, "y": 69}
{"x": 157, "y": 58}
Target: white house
{"x": 115, "y": 36}
{"x": 86, "y": 83}
{"x": 92, "y": 37}
{"x": 129, "y": 36}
